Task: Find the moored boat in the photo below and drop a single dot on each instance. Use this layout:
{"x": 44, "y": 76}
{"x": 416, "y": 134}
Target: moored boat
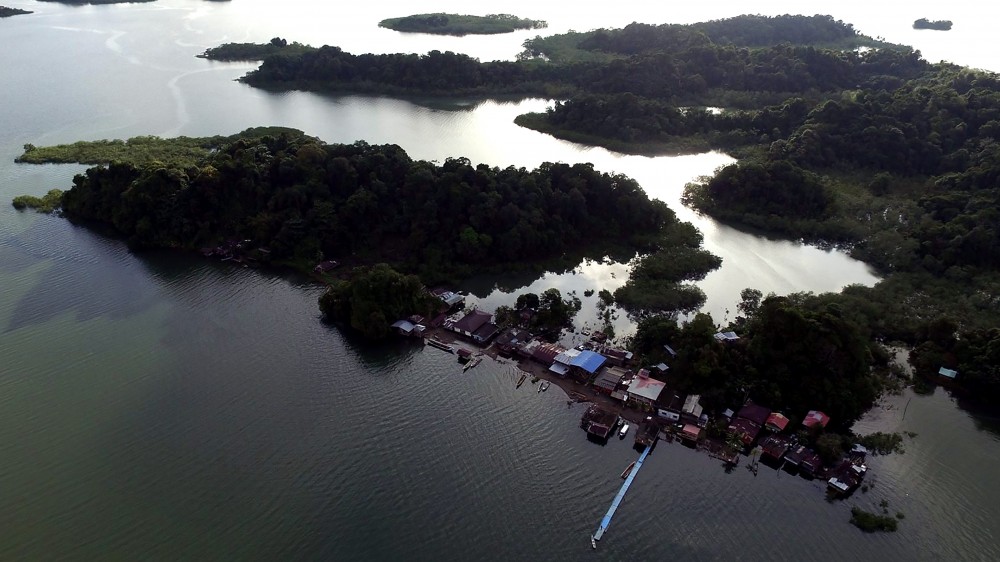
{"x": 628, "y": 470}
{"x": 623, "y": 431}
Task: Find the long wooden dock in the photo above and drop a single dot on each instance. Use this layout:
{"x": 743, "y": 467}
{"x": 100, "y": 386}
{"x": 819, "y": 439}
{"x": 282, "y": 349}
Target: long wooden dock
{"x": 618, "y": 498}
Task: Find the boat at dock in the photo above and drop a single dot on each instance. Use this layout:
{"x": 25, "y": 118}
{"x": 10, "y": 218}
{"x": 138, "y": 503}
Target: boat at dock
{"x": 472, "y": 363}
{"x": 544, "y": 386}
{"x": 440, "y": 345}
{"x": 628, "y": 470}
{"x": 623, "y": 431}
{"x": 520, "y": 381}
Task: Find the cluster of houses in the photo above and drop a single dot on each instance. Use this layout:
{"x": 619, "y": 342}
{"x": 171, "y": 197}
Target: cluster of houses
{"x": 239, "y": 251}
{"x": 777, "y": 448}
{"x": 611, "y": 371}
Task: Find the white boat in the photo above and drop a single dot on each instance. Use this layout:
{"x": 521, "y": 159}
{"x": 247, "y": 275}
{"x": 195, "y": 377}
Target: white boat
{"x": 593, "y": 543}
{"x": 624, "y": 430}
{"x": 544, "y": 386}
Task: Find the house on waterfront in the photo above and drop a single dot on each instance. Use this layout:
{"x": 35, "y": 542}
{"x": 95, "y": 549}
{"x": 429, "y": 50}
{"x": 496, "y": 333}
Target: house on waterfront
{"x": 511, "y": 339}
{"x": 691, "y": 433}
{"x": 598, "y": 422}
{"x": 804, "y": 459}
{"x": 325, "y": 266}
{"x": 586, "y": 364}
{"x": 477, "y": 325}
{"x": 748, "y": 422}
{"x": 609, "y": 378}
{"x": 645, "y": 389}
{"x": 774, "y": 447}
{"x": 542, "y": 352}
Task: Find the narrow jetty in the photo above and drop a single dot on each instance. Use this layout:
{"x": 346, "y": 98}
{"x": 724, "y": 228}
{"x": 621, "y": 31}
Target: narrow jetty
{"x": 621, "y": 495}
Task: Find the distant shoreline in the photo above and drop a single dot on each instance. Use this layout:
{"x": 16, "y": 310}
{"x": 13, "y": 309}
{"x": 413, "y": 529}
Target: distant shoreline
{"x": 459, "y": 25}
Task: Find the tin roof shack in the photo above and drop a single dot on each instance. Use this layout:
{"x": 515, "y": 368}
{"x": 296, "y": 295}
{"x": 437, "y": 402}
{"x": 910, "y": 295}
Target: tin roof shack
{"x": 776, "y": 423}
{"x": 510, "y": 339}
{"x": 451, "y": 299}
{"x": 803, "y": 459}
{"x": 616, "y": 357}
{"x": 815, "y": 420}
{"x": 644, "y": 389}
{"x": 407, "y": 328}
{"x": 670, "y": 405}
{"x": 744, "y": 430}
{"x": 691, "y": 411}
{"x": 691, "y": 432}
{"x": 773, "y": 448}
{"x": 325, "y": 266}
{"x": 609, "y": 378}
{"x": 748, "y": 422}
{"x": 598, "y": 422}
{"x": 562, "y": 364}
{"x": 647, "y": 433}
{"x": 544, "y": 353}
{"x": 846, "y": 477}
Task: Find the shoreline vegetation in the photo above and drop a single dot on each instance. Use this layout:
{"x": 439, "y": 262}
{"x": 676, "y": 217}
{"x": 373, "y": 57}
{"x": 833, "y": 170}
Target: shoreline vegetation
{"x": 937, "y": 25}
{"x": 6, "y": 12}
{"x": 459, "y": 25}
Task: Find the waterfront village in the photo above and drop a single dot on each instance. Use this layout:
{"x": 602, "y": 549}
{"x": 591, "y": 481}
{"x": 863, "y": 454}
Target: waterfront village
{"x": 624, "y": 393}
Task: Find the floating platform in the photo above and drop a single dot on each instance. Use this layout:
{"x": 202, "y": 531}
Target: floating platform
{"x": 603, "y": 527}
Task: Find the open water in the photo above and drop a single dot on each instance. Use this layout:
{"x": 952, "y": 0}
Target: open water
{"x": 158, "y": 406}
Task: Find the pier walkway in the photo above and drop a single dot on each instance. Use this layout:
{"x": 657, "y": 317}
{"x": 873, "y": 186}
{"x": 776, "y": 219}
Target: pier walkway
{"x": 621, "y": 495}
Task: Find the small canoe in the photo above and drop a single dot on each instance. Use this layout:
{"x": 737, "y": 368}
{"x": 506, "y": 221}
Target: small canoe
{"x": 628, "y": 470}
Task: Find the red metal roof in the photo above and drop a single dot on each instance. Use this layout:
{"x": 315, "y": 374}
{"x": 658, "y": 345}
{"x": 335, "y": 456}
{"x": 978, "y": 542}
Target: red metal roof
{"x": 776, "y": 422}
{"x": 815, "y": 418}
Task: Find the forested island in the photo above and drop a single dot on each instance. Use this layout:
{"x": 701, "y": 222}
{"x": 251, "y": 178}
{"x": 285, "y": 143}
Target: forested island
{"x": 938, "y": 25}
{"x": 291, "y": 199}
{"x": 739, "y": 61}
{"x": 253, "y": 51}
{"x": 456, "y": 24}
{"x": 6, "y": 12}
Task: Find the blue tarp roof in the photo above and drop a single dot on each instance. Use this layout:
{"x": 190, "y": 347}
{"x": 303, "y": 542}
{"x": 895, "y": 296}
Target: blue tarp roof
{"x": 589, "y": 361}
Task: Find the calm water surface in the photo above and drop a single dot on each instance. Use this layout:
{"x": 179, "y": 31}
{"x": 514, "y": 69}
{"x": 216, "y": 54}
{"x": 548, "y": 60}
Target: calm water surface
{"x": 162, "y": 407}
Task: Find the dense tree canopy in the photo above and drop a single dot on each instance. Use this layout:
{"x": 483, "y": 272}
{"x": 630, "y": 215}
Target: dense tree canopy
{"x": 376, "y": 297}
{"x": 794, "y": 354}
{"x": 303, "y": 200}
